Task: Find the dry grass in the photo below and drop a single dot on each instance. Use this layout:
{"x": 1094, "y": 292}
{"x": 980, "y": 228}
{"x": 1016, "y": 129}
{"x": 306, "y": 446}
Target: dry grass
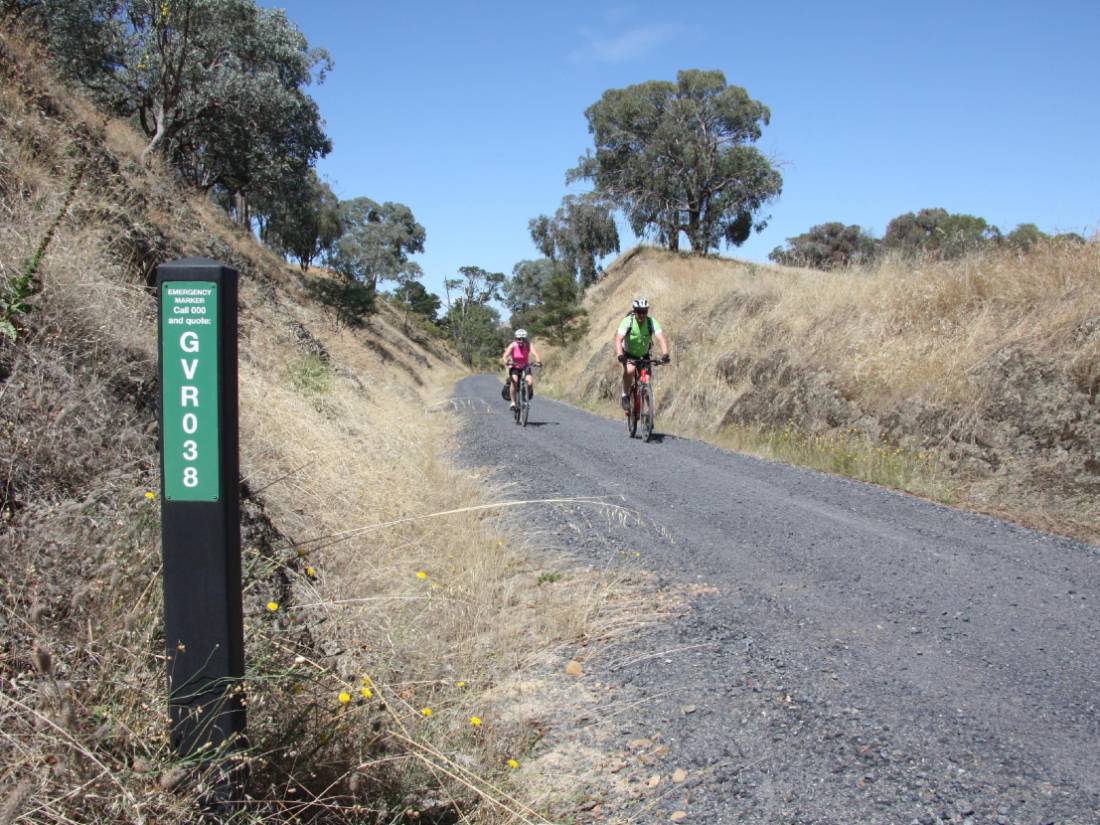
{"x": 378, "y": 583}
{"x": 911, "y": 357}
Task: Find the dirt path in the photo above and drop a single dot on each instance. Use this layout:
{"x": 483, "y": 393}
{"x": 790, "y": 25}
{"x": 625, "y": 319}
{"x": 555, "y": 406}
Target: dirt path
{"x": 852, "y": 655}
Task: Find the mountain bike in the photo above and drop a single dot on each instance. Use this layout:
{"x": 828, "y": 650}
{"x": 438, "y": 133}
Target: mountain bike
{"x": 523, "y": 394}
{"x": 640, "y": 407}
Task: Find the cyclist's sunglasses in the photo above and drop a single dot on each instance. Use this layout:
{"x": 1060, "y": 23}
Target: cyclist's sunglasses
{"x": 641, "y": 312}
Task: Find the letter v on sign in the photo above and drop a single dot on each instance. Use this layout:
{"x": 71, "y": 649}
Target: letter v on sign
{"x": 189, "y": 368}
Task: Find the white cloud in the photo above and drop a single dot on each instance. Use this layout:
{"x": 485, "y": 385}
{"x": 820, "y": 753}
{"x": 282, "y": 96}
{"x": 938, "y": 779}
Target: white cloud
{"x": 632, "y": 44}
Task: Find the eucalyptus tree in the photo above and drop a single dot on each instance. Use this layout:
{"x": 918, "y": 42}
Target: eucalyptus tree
{"x": 472, "y": 323}
{"x": 581, "y": 231}
{"x": 939, "y": 233}
{"x": 1026, "y": 236}
{"x": 544, "y": 297}
{"x": 827, "y": 246}
{"x": 217, "y": 86}
{"x": 377, "y": 240}
{"x": 301, "y": 218}
{"x": 677, "y": 158}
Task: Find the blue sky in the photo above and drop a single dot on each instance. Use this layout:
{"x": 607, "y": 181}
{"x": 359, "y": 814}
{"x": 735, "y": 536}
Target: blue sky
{"x": 470, "y": 113}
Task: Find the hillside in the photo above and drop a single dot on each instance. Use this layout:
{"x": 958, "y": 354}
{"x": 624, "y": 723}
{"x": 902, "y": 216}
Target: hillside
{"x": 971, "y": 382}
{"x": 386, "y": 608}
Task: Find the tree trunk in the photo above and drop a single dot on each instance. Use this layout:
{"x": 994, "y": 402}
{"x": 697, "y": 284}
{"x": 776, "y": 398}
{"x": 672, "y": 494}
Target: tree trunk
{"x": 240, "y": 206}
{"x": 158, "y": 135}
{"x": 693, "y": 232}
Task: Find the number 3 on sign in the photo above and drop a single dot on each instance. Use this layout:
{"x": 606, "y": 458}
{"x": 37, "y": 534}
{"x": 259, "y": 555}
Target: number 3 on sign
{"x": 190, "y": 450}
{"x": 190, "y": 477}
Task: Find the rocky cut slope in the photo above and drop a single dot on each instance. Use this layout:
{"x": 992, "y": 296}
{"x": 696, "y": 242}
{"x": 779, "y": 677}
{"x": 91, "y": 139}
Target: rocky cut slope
{"x": 973, "y": 381}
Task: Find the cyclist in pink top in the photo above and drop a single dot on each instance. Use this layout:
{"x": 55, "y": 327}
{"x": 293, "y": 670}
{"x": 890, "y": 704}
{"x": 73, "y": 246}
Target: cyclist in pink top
{"x": 516, "y": 357}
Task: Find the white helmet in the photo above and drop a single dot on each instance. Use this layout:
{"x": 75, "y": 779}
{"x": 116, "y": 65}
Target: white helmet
{"x": 640, "y": 303}
{"x": 521, "y": 334}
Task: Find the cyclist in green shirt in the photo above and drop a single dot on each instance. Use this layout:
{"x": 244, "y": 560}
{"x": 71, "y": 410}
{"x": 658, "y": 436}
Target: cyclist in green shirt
{"x": 633, "y": 339}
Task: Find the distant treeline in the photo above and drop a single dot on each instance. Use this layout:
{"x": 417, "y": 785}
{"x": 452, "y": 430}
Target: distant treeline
{"x": 934, "y": 233}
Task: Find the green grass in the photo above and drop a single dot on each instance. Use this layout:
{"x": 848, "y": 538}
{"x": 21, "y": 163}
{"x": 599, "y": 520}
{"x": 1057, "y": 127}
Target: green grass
{"x": 311, "y": 375}
{"x": 846, "y": 453}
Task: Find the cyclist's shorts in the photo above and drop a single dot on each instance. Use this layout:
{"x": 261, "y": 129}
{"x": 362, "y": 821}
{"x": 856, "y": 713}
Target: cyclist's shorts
{"x": 516, "y": 371}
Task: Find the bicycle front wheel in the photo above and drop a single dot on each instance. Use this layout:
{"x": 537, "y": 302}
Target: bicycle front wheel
{"x": 525, "y": 405}
{"x": 647, "y": 411}
{"x": 632, "y": 414}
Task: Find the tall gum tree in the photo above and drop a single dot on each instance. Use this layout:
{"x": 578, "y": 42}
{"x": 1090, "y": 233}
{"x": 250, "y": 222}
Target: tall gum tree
{"x": 677, "y": 158}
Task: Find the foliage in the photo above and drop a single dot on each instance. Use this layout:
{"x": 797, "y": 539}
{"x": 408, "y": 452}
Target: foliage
{"x": 302, "y": 219}
{"x": 377, "y": 240}
{"x": 529, "y": 278}
{"x": 1026, "y": 236}
{"x": 473, "y": 325}
{"x": 544, "y": 298}
{"x": 416, "y": 299}
{"x": 217, "y": 86}
{"x": 352, "y": 300}
{"x": 581, "y": 231}
{"x": 676, "y": 157}
{"x": 827, "y": 246}
{"x": 939, "y": 233}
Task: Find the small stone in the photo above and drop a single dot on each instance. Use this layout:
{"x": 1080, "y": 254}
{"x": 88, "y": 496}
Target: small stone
{"x": 574, "y": 668}
{"x": 688, "y": 709}
{"x": 678, "y": 816}
{"x": 654, "y": 780}
{"x": 679, "y": 775}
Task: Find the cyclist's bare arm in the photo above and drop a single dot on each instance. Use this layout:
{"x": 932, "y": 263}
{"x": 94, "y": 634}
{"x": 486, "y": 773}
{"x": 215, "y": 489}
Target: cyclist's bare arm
{"x": 662, "y": 341}
{"x": 504, "y": 359}
{"x": 535, "y": 356}
{"x": 619, "y": 345}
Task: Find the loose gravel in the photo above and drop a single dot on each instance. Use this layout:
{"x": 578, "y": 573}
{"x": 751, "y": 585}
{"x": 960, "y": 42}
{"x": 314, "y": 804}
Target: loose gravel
{"x": 847, "y": 655}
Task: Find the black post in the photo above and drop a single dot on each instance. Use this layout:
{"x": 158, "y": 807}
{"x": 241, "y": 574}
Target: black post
{"x": 200, "y": 505}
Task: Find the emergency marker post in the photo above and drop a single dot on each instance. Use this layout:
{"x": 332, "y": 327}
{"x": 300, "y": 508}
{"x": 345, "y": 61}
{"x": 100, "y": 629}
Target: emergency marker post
{"x": 200, "y": 504}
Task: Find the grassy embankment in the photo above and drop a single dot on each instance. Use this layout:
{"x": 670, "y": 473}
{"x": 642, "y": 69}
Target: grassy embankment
{"x": 970, "y": 382}
{"x": 397, "y": 660}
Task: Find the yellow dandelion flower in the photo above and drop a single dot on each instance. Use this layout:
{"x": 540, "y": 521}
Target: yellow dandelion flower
{"x": 272, "y": 606}
{"x": 512, "y": 763}
{"x": 425, "y": 711}
{"x": 367, "y": 681}
{"x": 366, "y": 692}
{"x": 344, "y": 697}
{"x": 420, "y": 574}
{"x": 150, "y": 495}
{"x": 475, "y": 721}
{"x": 311, "y": 572}
{"x": 460, "y": 684}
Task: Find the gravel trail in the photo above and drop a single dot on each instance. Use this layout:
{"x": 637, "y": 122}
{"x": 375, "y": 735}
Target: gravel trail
{"x": 850, "y": 654}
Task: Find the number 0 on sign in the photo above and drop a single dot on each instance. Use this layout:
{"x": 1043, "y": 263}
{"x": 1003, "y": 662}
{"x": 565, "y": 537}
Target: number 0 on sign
{"x": 189, "y": 394}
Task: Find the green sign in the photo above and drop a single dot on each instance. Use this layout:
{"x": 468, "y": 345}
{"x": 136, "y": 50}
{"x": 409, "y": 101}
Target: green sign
{"x": 189, "y": 392}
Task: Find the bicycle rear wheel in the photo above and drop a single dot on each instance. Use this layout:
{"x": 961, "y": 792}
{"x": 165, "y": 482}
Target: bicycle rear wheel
{"x": 525, "y": 404}
{"x": 519, "y": 403}
{"x": 647, "y": 411}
